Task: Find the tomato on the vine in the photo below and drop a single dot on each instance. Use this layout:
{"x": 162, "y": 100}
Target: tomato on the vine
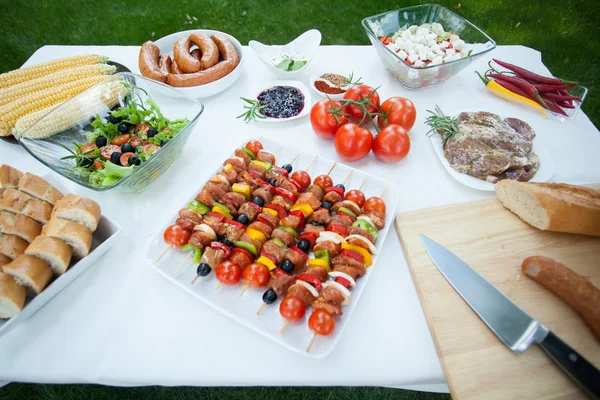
{"x": 323, "y": 121}
{"x": 254, "y": 146}
{"x": 400, "y": 111}
{"x": 321, "y": 322}
{"x": 392, "y": 144}
{"x": 358, "y": 93}
{"x": 353, "y": 142}
{"x": 302, "y": 177}
{"x": 228, "y": 273}
{"x": 374, "y": 204}
{"x": 292, "y": 308}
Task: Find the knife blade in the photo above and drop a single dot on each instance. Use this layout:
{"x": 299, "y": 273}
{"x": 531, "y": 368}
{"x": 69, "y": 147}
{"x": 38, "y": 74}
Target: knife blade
{"x": 515, "y": 328}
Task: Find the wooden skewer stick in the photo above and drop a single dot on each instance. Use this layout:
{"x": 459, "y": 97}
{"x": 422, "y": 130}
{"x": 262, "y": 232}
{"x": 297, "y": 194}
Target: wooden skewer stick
{"x": 312, "y": 341}
{"x": 195, "y": 279}
{"x": 348, "y": 177}
{"x": 260, "y": 310}
{"x": 311, "y": 163}
{"x": 218, "y": 286}
{"x": 182, "y": 263}
{"x": 163, "y": 253}
{"x": 246, "y": 287}
{"x": 363, "y": 184}
{"x": 382, "y": 193}
{"x": 277, "y": 151}
{"x": 285, "y": 324}
{"x": 260, "y": 138}
{"x": 294, "y": 159}
{"x": 332, "y": 167}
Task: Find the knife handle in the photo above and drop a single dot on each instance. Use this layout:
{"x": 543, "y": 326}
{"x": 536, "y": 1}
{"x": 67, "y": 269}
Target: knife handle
{"x": 578, "y": 368}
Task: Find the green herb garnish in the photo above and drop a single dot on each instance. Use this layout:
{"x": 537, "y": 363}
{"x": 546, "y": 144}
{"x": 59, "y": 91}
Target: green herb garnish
{"x": 442, "y": 124}
{"x": 254, "y": 110}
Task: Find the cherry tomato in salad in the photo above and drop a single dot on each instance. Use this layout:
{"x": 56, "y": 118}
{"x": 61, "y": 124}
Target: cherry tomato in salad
{"x": 150, "y": 148}
{"x": 392, "y": 144}
{"x": 125, "y": 159}
{"x": 228, "y": 273}
{"x": 400, "y": 111}
{"x": 321, "y": 322}
{"x": 257, "y": 275}
{"x": 323, "y": 181}
{"x": 302, "y": 177}
{"x": 356, "y": 196}
{"x": 361, "y": 92}
{"x": 120, "y": 140}
{"x": 87, "y": 149}
{"x": 292, "y": 308}
{"x": 135, "y": 141}
{"x": 353, "y": 142}
{"x": 323, "y": 121}
{"x": 107, "y": 151}
{"x": 374, "y": 204}
{"x": 254, "y": 146}
{"x": 98, "y": 165}
{"x": 176, "y": 236}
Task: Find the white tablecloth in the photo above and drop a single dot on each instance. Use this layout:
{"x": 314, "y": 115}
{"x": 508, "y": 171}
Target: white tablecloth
{"x": 122, "y": 324}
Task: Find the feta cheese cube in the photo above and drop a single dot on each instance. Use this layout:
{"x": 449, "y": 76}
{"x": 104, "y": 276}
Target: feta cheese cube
{"x": 413, "y": 28}
{"x": 444, "y": 44}
{"x": 459, "y": 44}
{"x": 449, "y": 58}
{"x": 437, "y": 28}
{"x": 412, "y": 58}
{"x": 422, "y": 31}
{"x": 419, "y": 64}
{"x": 402, "y": 54}
{"x": 431, "y": 36}
{"x": 399, "y": 42}
{"x": 418, "y": 46}
{"x": 450, "y": 52}
{"x": 440, "y": 52}
{"x": 437, "y": 60}
{"x": 406, "y": 35}
{"x": 422, "y": 56}
{"x": 430, "y": 55}
{"x": 453, "y": 38}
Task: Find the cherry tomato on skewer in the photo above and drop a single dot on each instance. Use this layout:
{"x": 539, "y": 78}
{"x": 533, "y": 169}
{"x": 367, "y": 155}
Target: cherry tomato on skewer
{"x": 374, "y": 204}
{"x": 302, "y": 177}
{"x": 176, "y": 236}
{"x": 254, "y": 146}
{"x": 257, "y": 275}
{"x": 292, "y": 308}
{"x": 321, "y": 322}
{"x": 228, "y": 273}
{"x": 356, "y": 196}
{"x": 323, "y": 181}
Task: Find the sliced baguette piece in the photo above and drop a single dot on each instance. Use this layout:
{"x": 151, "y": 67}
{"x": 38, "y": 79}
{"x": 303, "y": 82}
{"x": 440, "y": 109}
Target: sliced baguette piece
{"x": 4, "y": 260}
{"x": 12, "y": 246}
{"x": 19, "y": 225}
{"x": 78, "y": 209}
{"x": 39, "y": 188}
{"x": 553, "y": 207}
{"x": 21, "y": 203}
{"x": 9, "y": 177}
{"x": 12, "y": 296}
{"x": 55, "y": 252}
{"x": 30, "y": 272}
{"x": 77, "y": 236}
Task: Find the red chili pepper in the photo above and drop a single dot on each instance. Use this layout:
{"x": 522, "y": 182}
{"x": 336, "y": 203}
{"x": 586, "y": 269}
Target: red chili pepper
{"x": 343, "y": 281}
{"x": 300, "y": 215}
{"x": 532, "y": 76}
{"x": 339, "y": 229}
{"x": 285, "y": 193}
{"x": 313, "y": 280}
{"x": 221, "y": 246}
{"x": 280, "y": 210}
{"x": 565, "y": 104}
{"x": 297, "y": 184}
{"x": 216, "y": 215}
{"x": 520, "y": 83}
{"x": 234, "y": 223}
{"x": 336, "y": 189}
{"x": 242, "y": 251}
{"x": 270, "y": 257}
{"x": 512, "y": 88}
{"x": 303, "y": 254}
{"x": 353, "y": 254}
{"x": 311, "y": 237}
{"x": 265, "y": 221}
{"x": 282, "y": 171}
{"x": 552, "y": 88}
{"x": 255, "y": 206}
{"x": 552, "y": 106}
{"x": 560, "y": 97}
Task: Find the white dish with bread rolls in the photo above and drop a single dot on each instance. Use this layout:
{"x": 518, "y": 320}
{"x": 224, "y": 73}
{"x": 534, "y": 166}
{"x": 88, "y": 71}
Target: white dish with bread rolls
{"x": 57, "y": 244}
{"x": 166, "y": 45}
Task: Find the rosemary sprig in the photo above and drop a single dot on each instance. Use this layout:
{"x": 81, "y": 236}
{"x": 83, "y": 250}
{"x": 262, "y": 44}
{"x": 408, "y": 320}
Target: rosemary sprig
{"x": 349, "y": 81}
{"x": 253, "y": 110}
{"x": 442, "y": 124}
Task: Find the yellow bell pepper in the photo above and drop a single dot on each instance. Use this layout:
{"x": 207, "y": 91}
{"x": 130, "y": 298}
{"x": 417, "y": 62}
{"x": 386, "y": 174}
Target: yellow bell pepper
{"x": 271, "y": 211}
{"x": 242, "y": 189}
{"x": 222, "y": 212}
{"x": 260, "y": 164}
{"x": 266, "y": 262}
{"x": 256, "y": 235}
{"x": 367, "y": 256}
{"x": 316, "y": 262}
{"x": 304, "y": 207}
{"x": 228, "y": 167}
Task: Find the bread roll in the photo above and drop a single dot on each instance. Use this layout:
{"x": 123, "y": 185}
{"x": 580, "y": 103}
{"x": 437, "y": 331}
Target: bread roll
{"x": 12, "y": 296}
{"x": 21, "y": 203}
{"x": 77, "y": 236}
{"x": 19, "y": 225}
{"x": 553, "y": 207}
{"x": 78, "y": 209}
{"x": 9, "y": 176}
{"x": 12, "y": 246}
{"x": 37, "y": 187}
{"x": 30, "y": 272}
{"x": 53, "y": 251}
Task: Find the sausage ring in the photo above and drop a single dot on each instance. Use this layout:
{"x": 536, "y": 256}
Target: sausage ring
{"x": 148, "y": 62}
{"x": 208, "y": 48}
{"x": 164, "y": 64}
{"x": 185, "y": 61}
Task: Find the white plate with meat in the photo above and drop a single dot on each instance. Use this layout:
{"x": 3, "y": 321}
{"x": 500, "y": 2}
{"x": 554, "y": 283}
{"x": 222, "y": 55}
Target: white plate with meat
{"x": 485, "y": 149}
{"x": 269, "y": 323}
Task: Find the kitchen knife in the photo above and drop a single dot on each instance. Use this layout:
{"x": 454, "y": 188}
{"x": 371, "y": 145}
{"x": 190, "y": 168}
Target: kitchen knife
{"x": 513, "y": 326}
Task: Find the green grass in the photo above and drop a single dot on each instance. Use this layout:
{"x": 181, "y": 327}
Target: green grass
{"x": 566, "y": 32}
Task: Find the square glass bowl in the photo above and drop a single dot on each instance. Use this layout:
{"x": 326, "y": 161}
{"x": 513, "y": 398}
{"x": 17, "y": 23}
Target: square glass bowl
{"x": 390, "y": 22}
{"x": 69, "y": 122}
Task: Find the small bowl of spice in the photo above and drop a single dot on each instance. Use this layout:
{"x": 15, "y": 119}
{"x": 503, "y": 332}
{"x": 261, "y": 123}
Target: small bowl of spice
{"x": 332, "y": 85}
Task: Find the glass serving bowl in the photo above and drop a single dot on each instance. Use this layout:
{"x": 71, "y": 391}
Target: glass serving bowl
{"x": 390, "y": 22}
{"x": 52, "y": 136}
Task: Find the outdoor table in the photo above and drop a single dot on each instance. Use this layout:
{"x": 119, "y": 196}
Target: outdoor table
{"x": 122, "y": 324}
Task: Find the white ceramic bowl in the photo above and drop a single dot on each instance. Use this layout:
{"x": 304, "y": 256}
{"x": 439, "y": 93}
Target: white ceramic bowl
{"x": 259, "y": 88}
{"x": 166, "y": 43}
{"x": 316, "y": 77}
{"x": 304, "y": 45}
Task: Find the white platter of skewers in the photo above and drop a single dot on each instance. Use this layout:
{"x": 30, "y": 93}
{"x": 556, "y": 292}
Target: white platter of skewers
{"x": 280, "y": 256}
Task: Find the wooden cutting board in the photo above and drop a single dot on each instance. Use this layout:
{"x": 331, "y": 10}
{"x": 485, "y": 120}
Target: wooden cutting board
{"x": 494, "y": 242}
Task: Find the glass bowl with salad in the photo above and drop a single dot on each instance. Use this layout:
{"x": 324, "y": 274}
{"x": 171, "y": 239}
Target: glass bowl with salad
{"x": 120, "y": 134}
{"x": 426, "y": 44}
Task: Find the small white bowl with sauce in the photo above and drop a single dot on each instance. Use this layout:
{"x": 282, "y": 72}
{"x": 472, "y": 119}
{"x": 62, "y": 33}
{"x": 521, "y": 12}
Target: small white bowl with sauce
{"x": 317, "y": 77}
{"x": 303, "y": 47}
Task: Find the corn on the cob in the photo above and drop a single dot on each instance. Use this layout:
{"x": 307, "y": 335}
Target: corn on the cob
{"x": 36, "y": 71}
{"x": 10, "y": 113}
{"x": 74, "y": 112}
{"x": 61, "y": 77}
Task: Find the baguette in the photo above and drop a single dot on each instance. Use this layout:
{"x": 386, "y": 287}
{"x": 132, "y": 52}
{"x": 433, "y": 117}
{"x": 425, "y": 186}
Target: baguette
{"x": 12, "y": 246}
{"x": 574, "y": 289}
{"x": 21, "y": 203}
{"x": 30, "y": 272}
{"x": 9, "y": 177}
{"x": 553, "y": 206}
{"x": 12, "y": 296}
{"x": 37, "y": 187}
{"x": 4, "y": 260}
{"x": 77, "y": 236}
{"x": 55, "y": 252}
{"x": 19, "y": 225}
{"x": 78, "y": 209}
